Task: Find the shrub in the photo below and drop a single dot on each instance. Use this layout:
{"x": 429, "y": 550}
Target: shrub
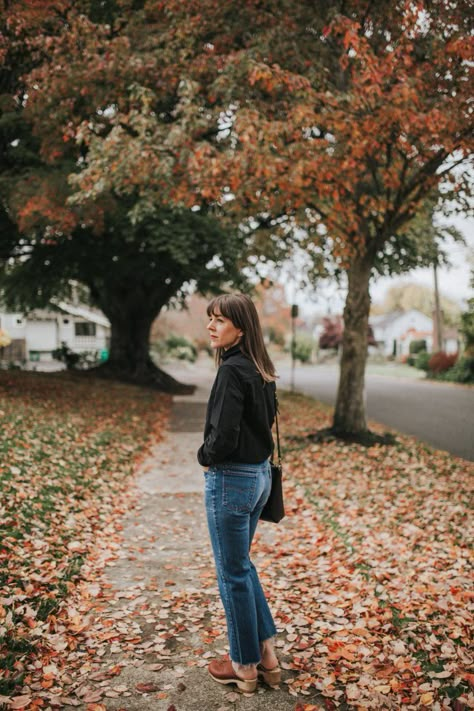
{"x": 331, "y": 337}
{"x": 276, "y": 335}
{"x": 417, "y": 346}
{"x": 175, "y": 346}
{"x": 411, "y": 360}
{"x": 89, "y": 359}
{"x": 303, "y": 349}
{"x": 76, "y": 361}
{"x": 461, "y": 372}
{"x": 441, "y": 362}
{"x": 422, "y": 360}
{"x": 65, "y": 355}
{"x": 467, "y": 326}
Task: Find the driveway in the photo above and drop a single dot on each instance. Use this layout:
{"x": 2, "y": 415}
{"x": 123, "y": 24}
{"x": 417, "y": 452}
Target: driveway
{"x": 440, "y": 414}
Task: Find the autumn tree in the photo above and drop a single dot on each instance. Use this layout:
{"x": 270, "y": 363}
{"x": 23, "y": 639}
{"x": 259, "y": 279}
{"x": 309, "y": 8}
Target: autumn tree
{"x": 349, "y": 120}
{"x": 77, "y": 77}
{"x": 367, "y": 154}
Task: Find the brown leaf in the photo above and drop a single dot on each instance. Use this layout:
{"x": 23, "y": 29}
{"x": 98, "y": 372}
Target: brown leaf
{"x": 146, "y": 688}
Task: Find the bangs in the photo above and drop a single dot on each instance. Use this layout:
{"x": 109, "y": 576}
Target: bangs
{"x": 220, "y": 304}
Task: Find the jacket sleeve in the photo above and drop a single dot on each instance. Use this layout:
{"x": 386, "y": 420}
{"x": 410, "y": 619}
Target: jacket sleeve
{"x": 224, "y": 420}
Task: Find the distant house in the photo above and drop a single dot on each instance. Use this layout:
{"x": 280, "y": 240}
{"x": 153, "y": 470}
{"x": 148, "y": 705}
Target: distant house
{"x": 395, "y": 331}
{"x": 37, "y": 334}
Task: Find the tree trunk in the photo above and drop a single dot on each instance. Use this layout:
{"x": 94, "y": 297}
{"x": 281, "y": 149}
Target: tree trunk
{"x": 129, "y": 357}
{"x": 349, "y": 416}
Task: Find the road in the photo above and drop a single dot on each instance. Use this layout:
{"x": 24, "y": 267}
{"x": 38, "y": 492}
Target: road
{"x": 440, "y": 414}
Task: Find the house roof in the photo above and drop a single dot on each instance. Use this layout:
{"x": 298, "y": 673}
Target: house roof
{"x": 46, "y": 314}
{"x": 450, "y": 332}
{"x": 385, "y": 319}
{"x": 414, "y": 334}
{"x": 84, "y": 312}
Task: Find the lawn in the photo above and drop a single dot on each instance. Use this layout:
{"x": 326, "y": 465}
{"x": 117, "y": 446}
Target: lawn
{"x": 69, "y": 447}
{"x": 395, "y": 370}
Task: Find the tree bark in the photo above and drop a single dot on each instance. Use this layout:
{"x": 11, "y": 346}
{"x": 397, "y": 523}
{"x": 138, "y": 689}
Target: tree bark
{"x": 349, "y": 415}
{"x": 131, "y": 314}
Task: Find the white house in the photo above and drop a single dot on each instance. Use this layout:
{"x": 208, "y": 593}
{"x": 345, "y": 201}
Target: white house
{"x": 395, "y": 331}
{"x": 37, "y": 334}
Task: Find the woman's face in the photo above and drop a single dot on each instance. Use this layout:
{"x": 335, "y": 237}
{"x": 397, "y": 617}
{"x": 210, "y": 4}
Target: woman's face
{"x": 222, "y": 331}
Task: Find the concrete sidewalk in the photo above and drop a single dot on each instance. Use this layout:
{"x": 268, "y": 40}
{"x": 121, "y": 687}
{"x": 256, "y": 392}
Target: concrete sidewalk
{"x": 164, "y": 592}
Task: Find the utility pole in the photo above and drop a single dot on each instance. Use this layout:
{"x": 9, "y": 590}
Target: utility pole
{"x": 439, "y": 327}
{"x": 294, "y": 316}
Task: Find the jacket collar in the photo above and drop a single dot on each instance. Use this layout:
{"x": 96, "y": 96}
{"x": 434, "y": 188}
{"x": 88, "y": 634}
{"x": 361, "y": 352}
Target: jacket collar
{"x": 232, "y": 351}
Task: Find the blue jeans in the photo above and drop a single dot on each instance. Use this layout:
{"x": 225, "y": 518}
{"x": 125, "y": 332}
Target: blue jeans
{"x": 235, "y": 495}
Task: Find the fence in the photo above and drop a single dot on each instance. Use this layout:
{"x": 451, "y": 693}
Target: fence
{"x": 15, "y": 352}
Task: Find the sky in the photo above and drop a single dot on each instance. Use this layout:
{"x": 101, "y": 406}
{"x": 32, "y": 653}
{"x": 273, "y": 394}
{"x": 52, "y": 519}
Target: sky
{"x": 453, "y": 282}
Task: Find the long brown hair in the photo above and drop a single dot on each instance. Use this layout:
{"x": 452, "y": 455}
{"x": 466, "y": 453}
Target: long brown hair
{"x": 240, "y": 309}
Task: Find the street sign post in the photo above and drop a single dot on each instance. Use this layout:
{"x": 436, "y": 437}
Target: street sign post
{"x": 294, "y": 316}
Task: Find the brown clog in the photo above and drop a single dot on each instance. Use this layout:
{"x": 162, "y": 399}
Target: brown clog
{"x": 223, "y": 672}
{"x": 272, "y": 677}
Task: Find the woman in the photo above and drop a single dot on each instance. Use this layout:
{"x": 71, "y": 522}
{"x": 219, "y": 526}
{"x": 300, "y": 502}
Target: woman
{"x": 235, "y": 455}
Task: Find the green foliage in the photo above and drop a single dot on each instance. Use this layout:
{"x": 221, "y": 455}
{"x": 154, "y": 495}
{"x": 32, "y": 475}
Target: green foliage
{"x": 417, "y": 346}
{"x": 461, "y": 372}
{"x": 275, "y": 335}
{"x": 419, "y": 243}
{"x": 467, "y": 327}
{"x": 66, "y": 356}
{"x": 150, "y": 261}
{"x": 422, "y": 360}
{"x": 76, "y": 361}
{"x": 175, "y": 346}
{"x": 303, "y": 348}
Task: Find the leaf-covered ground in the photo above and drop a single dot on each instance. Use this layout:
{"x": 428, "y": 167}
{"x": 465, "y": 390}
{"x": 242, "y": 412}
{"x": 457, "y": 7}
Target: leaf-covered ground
{"x": 369, "y": 576}
{"x": 68, "y": 448}
{"x": 378, "y": 559}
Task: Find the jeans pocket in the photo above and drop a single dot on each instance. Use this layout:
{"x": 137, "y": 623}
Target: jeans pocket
{"x": 238, "y": 491}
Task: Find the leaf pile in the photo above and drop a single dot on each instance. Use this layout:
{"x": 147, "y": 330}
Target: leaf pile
{"x": 68, "y": 449}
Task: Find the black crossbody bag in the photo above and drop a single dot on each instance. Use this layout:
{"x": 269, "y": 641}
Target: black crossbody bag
{"x": 274, "y": 509}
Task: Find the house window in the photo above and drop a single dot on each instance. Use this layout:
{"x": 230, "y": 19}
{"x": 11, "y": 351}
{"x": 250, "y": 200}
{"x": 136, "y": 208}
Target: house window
{"x": 65, "y": 320}
{"x": 19, "y": 321}
{"x": 84, "y": 328}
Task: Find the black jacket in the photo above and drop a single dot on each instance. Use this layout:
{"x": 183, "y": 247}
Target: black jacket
{"x": 240, "y": 414}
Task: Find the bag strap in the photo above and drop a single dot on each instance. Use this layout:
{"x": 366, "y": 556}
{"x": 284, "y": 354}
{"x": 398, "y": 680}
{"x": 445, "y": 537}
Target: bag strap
{"x": 277, "y": 429}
